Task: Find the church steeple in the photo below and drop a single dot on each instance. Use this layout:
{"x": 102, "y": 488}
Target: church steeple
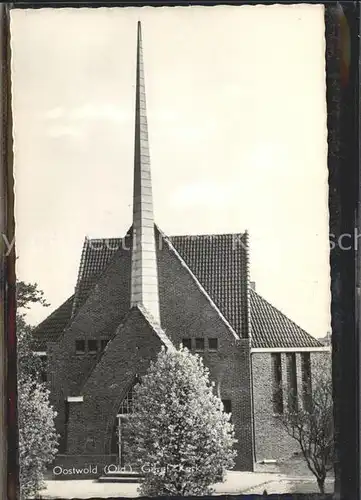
{"x": 144, "y": 274}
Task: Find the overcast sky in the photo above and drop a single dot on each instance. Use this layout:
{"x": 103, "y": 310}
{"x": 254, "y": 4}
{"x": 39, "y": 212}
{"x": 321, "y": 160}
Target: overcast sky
{"x": 237, "y": 128}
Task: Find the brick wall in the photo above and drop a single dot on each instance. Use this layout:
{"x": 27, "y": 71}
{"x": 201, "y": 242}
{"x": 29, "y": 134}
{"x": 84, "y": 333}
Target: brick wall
{"x": 186, "y": 313}
{"x": 97, "y": 318}
{"x": 271, "y": 440}
{"x": 91, "y": 423}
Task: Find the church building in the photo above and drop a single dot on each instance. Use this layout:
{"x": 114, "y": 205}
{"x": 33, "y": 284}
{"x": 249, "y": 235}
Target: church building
{"x": 145, "y": 290}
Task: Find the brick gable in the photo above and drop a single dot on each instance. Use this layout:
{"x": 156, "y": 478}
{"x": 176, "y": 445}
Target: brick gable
{"x": 218, "y": 262}
{"x": 129, "y": 353}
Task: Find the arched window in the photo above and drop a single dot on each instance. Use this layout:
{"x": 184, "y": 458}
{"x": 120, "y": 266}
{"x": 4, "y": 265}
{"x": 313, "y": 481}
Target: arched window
{"x": 126, "y": 405}
{"x": 125, "y": 409}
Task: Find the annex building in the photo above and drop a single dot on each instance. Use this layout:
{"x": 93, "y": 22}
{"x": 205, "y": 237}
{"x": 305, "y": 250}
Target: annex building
{"x": 144, "y": 290}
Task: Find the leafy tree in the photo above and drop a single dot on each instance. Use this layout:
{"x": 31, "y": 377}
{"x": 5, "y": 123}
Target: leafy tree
{"x": 27, "y": 294}
{"x": 178, "y": 435}
{"x": 37, "y": 436}
{"x": 311, "y": 425}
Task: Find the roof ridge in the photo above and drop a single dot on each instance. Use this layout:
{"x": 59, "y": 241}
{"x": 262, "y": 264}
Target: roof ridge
{"x": 200, "y": 286}
{"x": 284, "y": 315}
{"x": 106, "y": 238}
{"x": 73, "y": 313}
{"x": 205, "y": 235}
{"x": 80, "y": 275}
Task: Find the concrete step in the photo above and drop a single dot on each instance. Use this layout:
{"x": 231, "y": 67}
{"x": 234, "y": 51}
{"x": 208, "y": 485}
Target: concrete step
{"x": 106, "y": 479}
{"x": 121, "y": 477}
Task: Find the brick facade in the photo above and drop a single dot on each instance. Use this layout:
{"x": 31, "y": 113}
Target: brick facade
{"x": 271, "y": 440}
{"x": 91, "y": 423}
{"x": 98, "y": 318}
{"x": 200, "y": 285}
{"x": 186, "y": 312}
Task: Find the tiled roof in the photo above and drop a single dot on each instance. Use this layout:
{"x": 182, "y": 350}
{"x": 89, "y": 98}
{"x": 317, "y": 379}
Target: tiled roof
{"x": 96, "y": 255}
{"x": 271, "y": 328}
{"x": 220, "y": 263}
{"x": 52, "y": 327}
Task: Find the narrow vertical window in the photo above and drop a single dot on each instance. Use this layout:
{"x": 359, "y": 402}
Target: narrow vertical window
{"x": 227, "y": 407}
{"x": 199, "y": 344}
{"x": 213, "y": 344}
{"x": 277, "y": 384}
{"x": 306, "y": 381}
{"x": 187, "y": 343}
{"x": 92, "y": 346}
{"x": 80, "y": 346}
{"x": 292, "y": 381}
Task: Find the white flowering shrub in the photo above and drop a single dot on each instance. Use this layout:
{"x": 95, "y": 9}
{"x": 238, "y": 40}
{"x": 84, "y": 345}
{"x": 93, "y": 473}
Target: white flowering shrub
{"x": 178, "y": 435}
{"x": 37, "y": 435}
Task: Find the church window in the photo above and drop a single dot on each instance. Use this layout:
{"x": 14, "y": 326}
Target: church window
{"x": 126, "y": 406}
{"x": 306, "y": 380}
{"x": 187, "y": 343}
{"x": 213, "y": 344}
{"x": 80, "y": 346}
{"x": 103, "y": 344}
{"x": 199, "y": 344}
{"x": 292, "y": 381}
{"x": 227, "y": 406}
{"x": 277, "y": 384}
{"x": 92, "y": 346}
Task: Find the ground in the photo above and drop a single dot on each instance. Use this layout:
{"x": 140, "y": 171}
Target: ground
{"x": 287, "y": 477}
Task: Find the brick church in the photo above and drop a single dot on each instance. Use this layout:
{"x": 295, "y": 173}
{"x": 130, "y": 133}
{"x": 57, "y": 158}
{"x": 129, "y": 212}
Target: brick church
{"x": 137, "y": 293}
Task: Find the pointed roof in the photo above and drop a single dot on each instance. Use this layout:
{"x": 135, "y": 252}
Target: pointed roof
{"x": 223, "y": 275}
{"x": 144, "y": 276}
{"x": 219, "y": 262}
{"x": 51, "y": 328}
{"x": 273, "y": 329}
{"x": 96, "y": 255}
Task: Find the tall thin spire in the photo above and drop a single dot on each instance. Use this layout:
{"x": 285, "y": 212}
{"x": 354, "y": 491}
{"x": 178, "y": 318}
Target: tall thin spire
{"x": 144, "y": 278}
